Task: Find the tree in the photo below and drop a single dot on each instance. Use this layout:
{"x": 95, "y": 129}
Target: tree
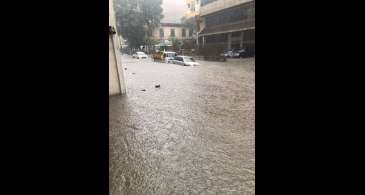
{"x": 151, "y": 41}
{"x": 152, "y": 14}
{"x": 136, "y": 19}
{"x": 176, "y": 43}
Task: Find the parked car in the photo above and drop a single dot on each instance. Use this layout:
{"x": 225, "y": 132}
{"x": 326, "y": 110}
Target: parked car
{"x": 231, "y": 54}
{"x": 235, "y": 53}
{"x": 140, "y": 55}
{"x": 185, "y": 61}
{"x": 241, "y": 52}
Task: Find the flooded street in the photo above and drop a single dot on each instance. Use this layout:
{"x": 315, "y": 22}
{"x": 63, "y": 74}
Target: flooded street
{"x": 195, "y": 134}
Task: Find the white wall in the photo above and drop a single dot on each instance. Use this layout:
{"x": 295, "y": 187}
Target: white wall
{"x": 117, "y": 83}
{"x": 191, "y": 13}
{"x": 113, "y": 77}
{"x": 116, "y": 76}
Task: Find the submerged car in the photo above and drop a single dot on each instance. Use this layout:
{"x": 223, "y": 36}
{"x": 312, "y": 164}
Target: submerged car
{"x": 140, "y": 55}
{"x": 185, "y": 61}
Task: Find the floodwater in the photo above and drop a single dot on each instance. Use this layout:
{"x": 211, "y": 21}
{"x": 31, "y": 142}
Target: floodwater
{"x": 193, "y": 135}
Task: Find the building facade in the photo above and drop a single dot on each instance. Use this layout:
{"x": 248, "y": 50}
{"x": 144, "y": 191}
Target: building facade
{"x": 227, "y": 24}
{"x": 166, "y": 31}
{"x": 191, "y": 17}
{"x": 117, "y": 83}
{"x": 193, "y": 10}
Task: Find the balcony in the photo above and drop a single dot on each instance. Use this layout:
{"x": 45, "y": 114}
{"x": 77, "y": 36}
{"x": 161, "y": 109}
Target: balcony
{"x": 220, "y": 5}
{"x": 231, "y": 27}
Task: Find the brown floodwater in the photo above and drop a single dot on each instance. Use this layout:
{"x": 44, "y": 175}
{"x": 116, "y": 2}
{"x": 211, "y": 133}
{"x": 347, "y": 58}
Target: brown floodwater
{"x": 195, "y": 134}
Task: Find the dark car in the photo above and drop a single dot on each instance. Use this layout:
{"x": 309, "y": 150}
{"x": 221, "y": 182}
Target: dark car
{"x": 241, "y": 53}
{"x": 230, "y": 54}
{"x": 234, "y": 53}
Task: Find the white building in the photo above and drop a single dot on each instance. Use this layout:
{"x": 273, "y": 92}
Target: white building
{"x": 191, "y": 17}
{"x": 168, "y": 30}
{"x": 117, "y": 83}
{"x": 193, "y": 8}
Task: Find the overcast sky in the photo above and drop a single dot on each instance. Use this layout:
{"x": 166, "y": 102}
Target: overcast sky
{"x": 173, "y": 10}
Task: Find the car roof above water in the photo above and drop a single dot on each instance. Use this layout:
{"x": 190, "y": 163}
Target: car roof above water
{"x": 185, "y": 56}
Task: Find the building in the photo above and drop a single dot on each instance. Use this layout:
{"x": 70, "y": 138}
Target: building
{"x": 116, "y": 71}
{"x": 227, "y": 24}
{"x": 193, "y": 8}
{"x": 166, "y": 31}
{"x": 191, "y": 17}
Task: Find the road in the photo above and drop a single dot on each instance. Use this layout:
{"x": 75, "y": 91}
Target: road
{"x": 193, "y": 135}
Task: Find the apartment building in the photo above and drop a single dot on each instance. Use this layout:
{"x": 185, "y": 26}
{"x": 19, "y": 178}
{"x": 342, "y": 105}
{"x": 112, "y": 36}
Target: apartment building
{"x": 193, "y": 11}
{"x": 228, "y": 24}
{"x": 191, "y": 17}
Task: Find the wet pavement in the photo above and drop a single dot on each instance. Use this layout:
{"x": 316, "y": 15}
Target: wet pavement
{"x": 193, "y": 135}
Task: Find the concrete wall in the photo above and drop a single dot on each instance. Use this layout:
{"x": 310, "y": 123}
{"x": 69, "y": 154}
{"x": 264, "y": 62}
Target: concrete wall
{"x": 114, "y": 86}
{"x": 219, "y": 5}
{"x": 202, "y": 23}
{"x": 116, "y": 71}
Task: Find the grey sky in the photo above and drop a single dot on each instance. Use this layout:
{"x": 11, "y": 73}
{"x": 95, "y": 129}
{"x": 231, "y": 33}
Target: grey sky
{"x": 173, "y": 10}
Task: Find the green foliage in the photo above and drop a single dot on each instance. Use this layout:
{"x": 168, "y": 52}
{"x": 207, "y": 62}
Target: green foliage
{"x": 176, "y": 43}
{"x": 136, "y": 19}
{"x": 151, "y": 41}
{"x": 151, "y": 13}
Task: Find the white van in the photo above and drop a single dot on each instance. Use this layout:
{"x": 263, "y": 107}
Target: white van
{"x": 169, "y": 56}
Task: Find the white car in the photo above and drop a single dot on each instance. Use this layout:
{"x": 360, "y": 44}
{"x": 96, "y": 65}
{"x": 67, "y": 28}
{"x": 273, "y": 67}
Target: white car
{"x": 140, "y": 55}
{"x": 185, "y": 61}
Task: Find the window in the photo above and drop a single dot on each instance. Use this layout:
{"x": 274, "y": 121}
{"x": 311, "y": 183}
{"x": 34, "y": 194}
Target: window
{"x": 183, "y": 32}
{"x": 236, "y": 34}
{"x": 190, "y": 32}
{"x": 189, "y": 59}
{"x": 236, "y": 14}
{"x": 204, "y": 2}
{"x": 172, "y": 32}
{"x": 161, "y": 33}
{"x": 219, "y": 38}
